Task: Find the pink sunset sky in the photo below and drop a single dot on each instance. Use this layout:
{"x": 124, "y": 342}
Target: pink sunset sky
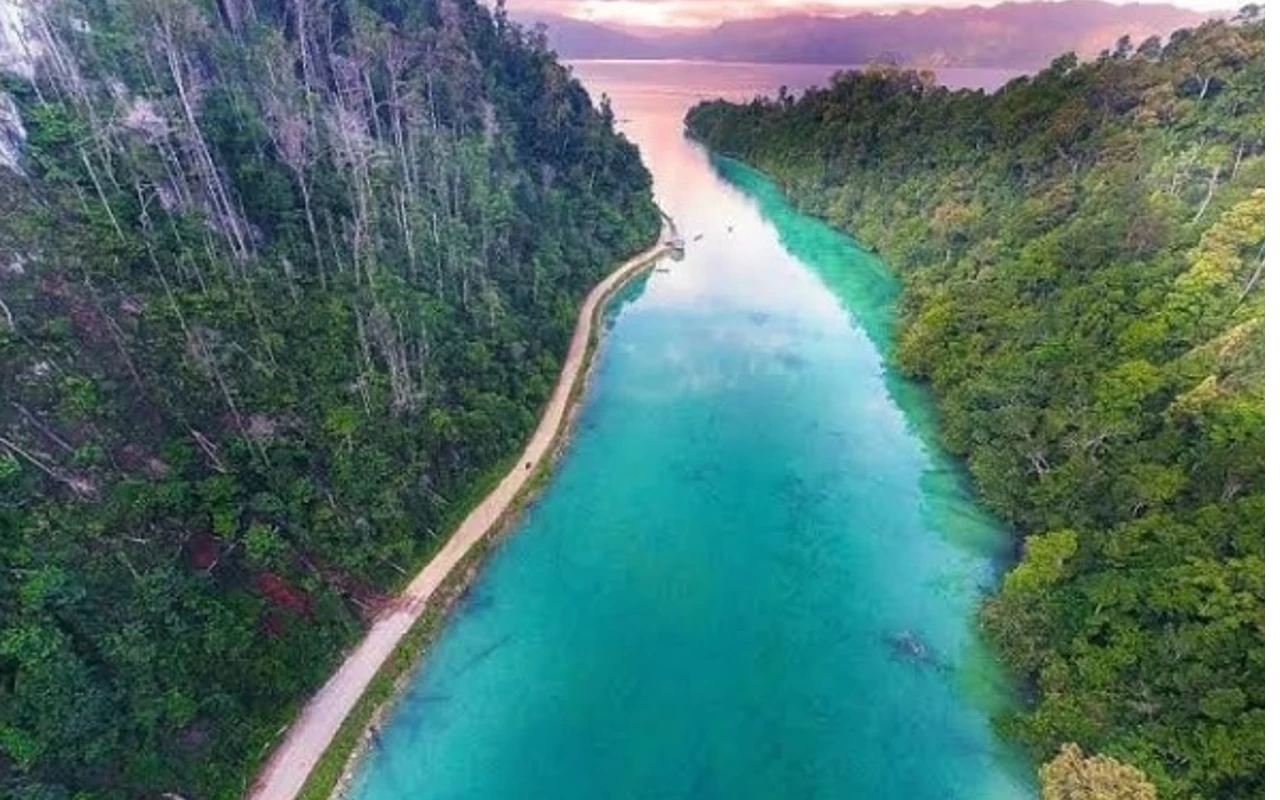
{"x": 691, "y": 13}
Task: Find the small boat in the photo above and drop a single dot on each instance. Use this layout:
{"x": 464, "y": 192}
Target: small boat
{"x": 676, "y": 244}
{"x": 698, "y": 238}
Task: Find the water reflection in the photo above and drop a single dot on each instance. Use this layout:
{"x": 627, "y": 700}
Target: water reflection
{"x": 703, "y": 602}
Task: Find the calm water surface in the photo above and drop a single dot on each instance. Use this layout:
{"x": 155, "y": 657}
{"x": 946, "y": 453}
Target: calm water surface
{"x": 709, "y": 601}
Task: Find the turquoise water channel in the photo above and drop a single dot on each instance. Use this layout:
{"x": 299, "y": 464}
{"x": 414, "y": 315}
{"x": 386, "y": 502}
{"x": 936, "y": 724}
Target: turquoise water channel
{"x": 753, "y": 574}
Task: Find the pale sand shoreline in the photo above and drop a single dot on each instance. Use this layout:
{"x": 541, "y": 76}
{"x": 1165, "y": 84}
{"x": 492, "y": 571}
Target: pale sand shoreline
{"x": 285, "y": 773}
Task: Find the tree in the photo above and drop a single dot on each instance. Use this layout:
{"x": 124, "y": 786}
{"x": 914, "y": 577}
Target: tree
{"x": 291, "y": 275}
{"x": 1083, "y": 263}
{"x": 1073, "y": 776}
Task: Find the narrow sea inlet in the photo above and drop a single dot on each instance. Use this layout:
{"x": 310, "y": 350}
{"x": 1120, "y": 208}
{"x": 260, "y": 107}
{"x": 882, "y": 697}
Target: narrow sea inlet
{"x": 753, "y": 575}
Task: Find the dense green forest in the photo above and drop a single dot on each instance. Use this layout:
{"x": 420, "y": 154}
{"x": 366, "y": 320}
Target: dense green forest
{"x": 1082, "y": 258}
{"x": 281, "y": 284}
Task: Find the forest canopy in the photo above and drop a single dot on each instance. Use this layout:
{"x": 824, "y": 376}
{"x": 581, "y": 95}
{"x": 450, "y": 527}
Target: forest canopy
{"x": 281, "y": 284}
{"x": 1082, "y": 253}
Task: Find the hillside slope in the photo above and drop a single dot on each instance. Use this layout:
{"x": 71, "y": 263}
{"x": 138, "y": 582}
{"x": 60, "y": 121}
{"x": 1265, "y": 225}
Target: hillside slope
{"x": 1022, "y": 35}
{"x": 1083, "y": 261}
{"x": 281, "y": 283}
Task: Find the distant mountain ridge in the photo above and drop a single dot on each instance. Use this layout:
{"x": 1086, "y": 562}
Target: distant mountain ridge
{"x": 1010, "y": 35}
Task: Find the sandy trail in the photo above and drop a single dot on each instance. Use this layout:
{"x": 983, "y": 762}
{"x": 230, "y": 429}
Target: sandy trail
{"x": 284, "y": 774}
